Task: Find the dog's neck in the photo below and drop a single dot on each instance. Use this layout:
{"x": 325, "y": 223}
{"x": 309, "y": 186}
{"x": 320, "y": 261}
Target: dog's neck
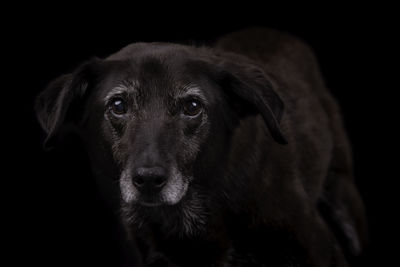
{"x": 183, "y": 233}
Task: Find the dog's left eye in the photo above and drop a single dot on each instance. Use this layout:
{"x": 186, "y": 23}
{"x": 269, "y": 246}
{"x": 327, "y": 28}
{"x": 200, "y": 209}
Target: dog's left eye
{"x": 192, "y": 108}
{"x": 118, "y": 106}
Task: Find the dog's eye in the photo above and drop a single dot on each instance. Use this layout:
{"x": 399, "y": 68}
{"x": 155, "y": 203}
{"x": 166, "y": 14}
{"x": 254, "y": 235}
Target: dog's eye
{"x": 118, "y": 106}
{"x": 192, "y": 108}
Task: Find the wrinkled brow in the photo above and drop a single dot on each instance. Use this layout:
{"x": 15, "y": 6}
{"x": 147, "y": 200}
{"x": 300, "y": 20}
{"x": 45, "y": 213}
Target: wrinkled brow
{"x": 124, "y": 88}
{"x": 191, "y": 90}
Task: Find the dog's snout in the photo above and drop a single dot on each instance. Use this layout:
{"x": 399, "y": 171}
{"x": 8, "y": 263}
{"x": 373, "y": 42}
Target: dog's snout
{"x": 150, "y": 177}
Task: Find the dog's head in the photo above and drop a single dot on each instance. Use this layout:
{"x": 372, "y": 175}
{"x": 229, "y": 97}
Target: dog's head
{"x": 156, "y": 117}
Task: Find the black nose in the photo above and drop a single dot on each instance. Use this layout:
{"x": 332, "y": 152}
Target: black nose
{"x": 150, "y": 177}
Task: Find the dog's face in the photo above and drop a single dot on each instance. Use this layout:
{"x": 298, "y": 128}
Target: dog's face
{"x": 157, "y": 117}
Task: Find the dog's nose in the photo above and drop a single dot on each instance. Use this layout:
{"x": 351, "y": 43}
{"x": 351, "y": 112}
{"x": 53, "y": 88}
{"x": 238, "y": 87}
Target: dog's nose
{"x": 150, "y": 177}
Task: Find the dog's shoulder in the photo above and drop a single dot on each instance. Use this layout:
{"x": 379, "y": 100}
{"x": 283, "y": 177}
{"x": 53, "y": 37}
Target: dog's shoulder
{"x": 265, "y": 44}
{"x": 282, "y": 54}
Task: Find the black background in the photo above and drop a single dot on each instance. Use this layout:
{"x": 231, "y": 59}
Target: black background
{"x": 54, "y": 214}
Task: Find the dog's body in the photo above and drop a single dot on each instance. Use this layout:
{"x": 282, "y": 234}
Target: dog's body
{"x": 196, "y": 139}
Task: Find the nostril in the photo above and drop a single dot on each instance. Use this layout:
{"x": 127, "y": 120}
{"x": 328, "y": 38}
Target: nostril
{"x": 153, "y": 177}
{"x": 160, "y": 181}
{"x": 138, "y": 181}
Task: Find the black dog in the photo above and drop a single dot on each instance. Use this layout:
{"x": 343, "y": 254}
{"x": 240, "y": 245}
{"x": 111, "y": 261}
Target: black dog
{"x": 226, "y": 156}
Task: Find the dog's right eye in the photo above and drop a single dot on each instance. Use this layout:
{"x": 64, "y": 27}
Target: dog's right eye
{"x": 192, "y": 108}
{"x": 118, "y": 106}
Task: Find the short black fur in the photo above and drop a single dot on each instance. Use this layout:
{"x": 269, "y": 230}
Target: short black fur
{"x": 259, "y": 175}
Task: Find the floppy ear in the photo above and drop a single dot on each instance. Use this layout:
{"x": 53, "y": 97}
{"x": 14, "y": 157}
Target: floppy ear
{"x": 248, "y": 82}
{"x": 55, "y": 106}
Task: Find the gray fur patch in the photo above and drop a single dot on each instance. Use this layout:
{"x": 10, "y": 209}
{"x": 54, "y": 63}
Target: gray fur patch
{"x": 175, "y": 189}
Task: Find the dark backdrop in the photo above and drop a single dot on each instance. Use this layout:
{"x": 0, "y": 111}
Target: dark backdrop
{"x": 56, "y": 217}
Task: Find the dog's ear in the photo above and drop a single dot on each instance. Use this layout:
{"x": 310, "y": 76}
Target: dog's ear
{"x": 251, "y": 85}
{"x": 56, "y": 106}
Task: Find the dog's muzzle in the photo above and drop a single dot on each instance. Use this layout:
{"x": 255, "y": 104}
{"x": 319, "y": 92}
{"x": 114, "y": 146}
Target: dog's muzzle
{"x": 153, "y": 186}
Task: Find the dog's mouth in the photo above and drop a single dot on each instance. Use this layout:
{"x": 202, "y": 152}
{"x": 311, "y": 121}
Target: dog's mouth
{"x": 150, "y": 204}
{"x": 150, "y": 199}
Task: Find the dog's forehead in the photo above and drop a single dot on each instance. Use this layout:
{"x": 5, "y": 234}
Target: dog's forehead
{"x": 156, "y": 67}
{"x": 138, "y": 50}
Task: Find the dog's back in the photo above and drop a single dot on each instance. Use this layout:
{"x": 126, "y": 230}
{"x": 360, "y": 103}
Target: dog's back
{"x": 313, "y": 119}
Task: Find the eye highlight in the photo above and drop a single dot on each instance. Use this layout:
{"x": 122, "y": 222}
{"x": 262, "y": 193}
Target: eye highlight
{"x": 118, "y": 106}
{"x": 192, "y": 107}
